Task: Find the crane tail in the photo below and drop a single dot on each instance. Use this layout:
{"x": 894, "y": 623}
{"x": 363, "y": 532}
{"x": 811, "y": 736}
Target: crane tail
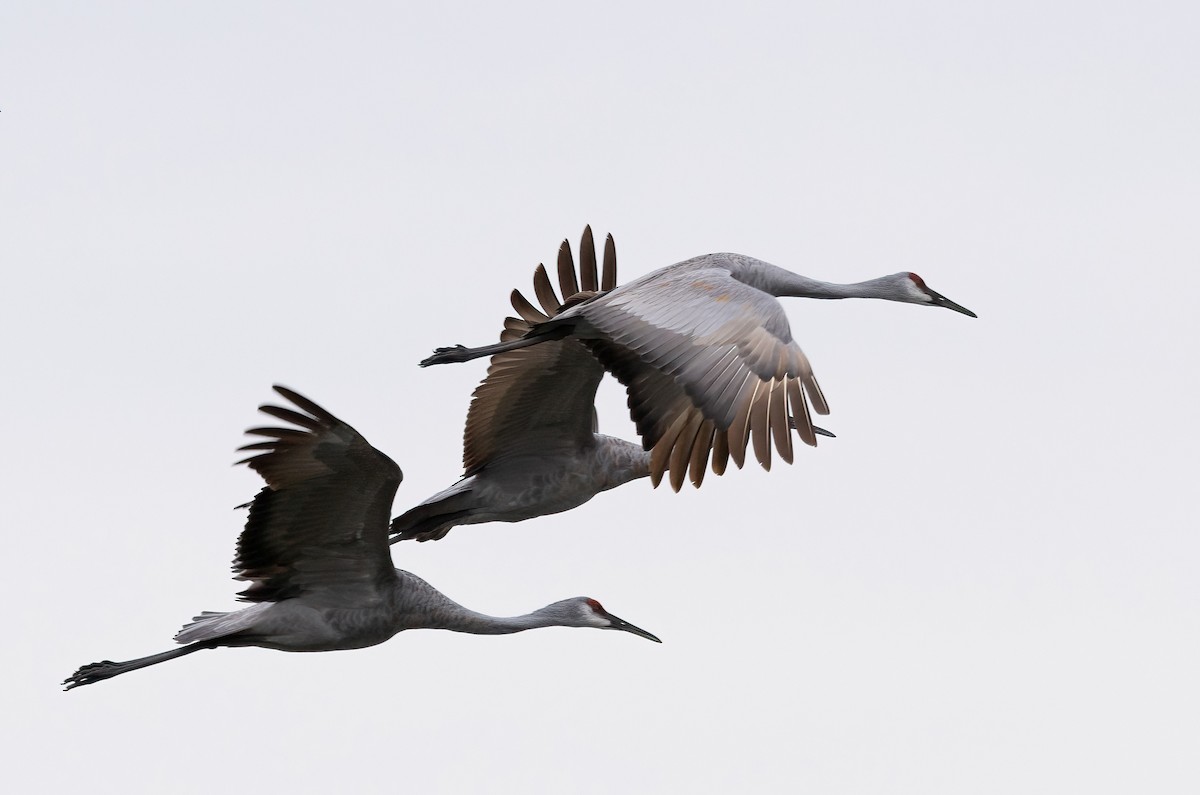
{"x": 210, "y": 626}
{"x": 431, "y": 521}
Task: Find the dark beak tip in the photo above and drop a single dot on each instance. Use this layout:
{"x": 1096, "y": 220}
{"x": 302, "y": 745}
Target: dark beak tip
{"x": 948, "y": 304}
{"x": 625, "y": 626}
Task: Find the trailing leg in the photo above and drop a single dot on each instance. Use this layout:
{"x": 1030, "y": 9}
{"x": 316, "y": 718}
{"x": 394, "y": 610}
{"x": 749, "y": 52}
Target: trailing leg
{"x": 107, "y": 669}
{"x": 460, "y": 353}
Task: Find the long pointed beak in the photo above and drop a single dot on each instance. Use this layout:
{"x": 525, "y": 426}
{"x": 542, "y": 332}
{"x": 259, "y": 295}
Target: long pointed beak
{"x": 941, "y": 300}
{"x": 621, "y": 624}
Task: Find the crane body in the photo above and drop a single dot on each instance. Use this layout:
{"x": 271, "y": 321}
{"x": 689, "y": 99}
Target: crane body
{"x": 525, "y": 487}
{"x": 530, "y": 445}
{"x": 706, "y": 354}
{"x": 315, "y": 551}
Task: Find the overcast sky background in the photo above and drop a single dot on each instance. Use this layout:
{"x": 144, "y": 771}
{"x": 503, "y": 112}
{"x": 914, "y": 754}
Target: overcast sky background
{"x": 987, "y": 582}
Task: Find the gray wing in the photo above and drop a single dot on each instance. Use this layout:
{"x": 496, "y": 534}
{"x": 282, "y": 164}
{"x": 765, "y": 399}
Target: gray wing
{"x": 321, "y": 522}
{"x": 540, "y": 400}
{"x": 709, "y": 364}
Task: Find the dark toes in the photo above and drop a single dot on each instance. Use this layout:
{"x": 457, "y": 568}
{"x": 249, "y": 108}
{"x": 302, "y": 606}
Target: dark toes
{"x": 444, "y": 355}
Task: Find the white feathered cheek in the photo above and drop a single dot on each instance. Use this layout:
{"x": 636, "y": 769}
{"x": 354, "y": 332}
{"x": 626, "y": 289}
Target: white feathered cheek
{"x": 594, "y": 614}
{"x": 916, "y": 294}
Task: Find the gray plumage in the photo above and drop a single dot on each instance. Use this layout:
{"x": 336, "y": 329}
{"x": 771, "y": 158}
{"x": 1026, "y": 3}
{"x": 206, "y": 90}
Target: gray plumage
{"x": 530, "y": 446}
{"x": 316, "y": 554}
{"x": 706, "y": 354}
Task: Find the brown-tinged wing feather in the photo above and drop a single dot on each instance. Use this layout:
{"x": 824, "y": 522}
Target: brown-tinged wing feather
{"x": 587, "y": 262}
{"x": 608, "y": 278}
{"x": 545, "y": 291}
{"x": 528, "y": 312}
{"x": 726, "y": 350}
{"x": 538, "y": 399}
{"x": 566, "y": 271}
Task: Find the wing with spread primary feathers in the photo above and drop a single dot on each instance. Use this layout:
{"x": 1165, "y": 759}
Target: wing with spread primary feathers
{"x": 322, "y": 519}
{"x": 541, "y": 399}
{"x": 709, "y": 364}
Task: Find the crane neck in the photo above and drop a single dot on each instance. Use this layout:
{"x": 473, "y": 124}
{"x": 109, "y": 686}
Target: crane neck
{"x": 780, "y": 282}
{"x": 420, "y": 605}
{"x": 799, "y": 286}
{"x": 482, "y": 624}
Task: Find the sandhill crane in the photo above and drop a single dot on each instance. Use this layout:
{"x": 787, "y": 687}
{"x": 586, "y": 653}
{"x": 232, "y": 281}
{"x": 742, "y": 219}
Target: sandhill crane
{"x": 315, "y": 550}
{"x": 706, "y": 355}
{"x": 530, "y": 445}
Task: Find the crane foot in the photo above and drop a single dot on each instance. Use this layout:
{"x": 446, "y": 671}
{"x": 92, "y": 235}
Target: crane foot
{"x": 449, "y": 355}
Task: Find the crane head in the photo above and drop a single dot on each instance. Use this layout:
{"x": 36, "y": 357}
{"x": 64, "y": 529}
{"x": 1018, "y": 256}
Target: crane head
{"x": 609, "y": 621}
{"x": 584, "y": 611}
{"x": 917, "y": 292}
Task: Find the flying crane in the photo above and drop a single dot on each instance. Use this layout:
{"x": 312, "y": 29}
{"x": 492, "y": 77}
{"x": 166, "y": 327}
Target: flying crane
{"x": 315, "y": 551}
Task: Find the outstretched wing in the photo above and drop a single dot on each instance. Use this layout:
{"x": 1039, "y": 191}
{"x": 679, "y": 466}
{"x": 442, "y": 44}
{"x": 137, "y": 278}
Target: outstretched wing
{"x": 541, "y": 399}
{"x": 322, "y": 519}
{"x": 709, "y": 364}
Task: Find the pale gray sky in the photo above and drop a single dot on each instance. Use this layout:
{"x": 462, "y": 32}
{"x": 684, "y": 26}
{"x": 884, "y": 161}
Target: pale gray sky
{"x": 986, "y": 583}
